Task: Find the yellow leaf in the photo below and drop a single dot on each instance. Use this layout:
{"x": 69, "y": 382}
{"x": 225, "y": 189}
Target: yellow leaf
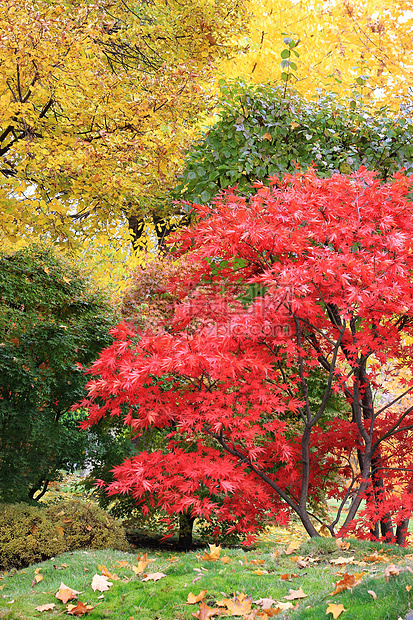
{"x": 293, "y": 546}
{"x": 336, "y": 610}
{"x": 267, "y": 136}
{"x": 46, "y": 270}
{"x": 225, "y": 559}
{"x": 408, "y": 588}
{"x": 65, "y": 593}
{"x": 192, "y": 598}
{"x": 213, "y": 555}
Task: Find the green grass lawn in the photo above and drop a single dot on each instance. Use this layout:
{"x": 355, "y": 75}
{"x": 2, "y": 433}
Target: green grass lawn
{"x": 257, "y": 574}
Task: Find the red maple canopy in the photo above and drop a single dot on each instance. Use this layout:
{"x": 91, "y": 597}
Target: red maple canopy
{"x": 310, "y": 278}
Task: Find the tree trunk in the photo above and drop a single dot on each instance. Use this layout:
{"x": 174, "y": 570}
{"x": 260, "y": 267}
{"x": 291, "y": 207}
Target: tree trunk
{"x": 186, "y": 525}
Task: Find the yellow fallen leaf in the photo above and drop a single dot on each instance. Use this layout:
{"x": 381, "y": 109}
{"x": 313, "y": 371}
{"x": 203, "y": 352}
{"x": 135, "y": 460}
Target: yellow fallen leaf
{"x": 408, "y": 588}
{"x": 46, "y": 270}
{"x": 204, "y": 612}
{"x": 192, "y": 598}
{"x": 226, "y": 559}
{"x": 294, "y": 594}
{"x": 292, "y": 547}
{"x": 108, "y": 574}
{"x": 65, "y": 593}
{"x": 339, "y": 561}
{"x": 67, "y": 280}
{"x": 213, "y": 555}
{"x": 122, "y": 563}
{"x": 239, "y": 606}
{"x": 336, "y": 610}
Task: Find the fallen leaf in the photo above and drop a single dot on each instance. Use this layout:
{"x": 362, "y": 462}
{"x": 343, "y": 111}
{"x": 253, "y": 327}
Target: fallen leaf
{"x": 38, "y": 578}
{"x": 153, "y": 576}
{"x": 78, "y": 610}
{"x": 373, "y": 594}
{"x": 65, "y": 593}
{"x": 375, "y": 557}
{"x": 46, "y": 270}
{"x": 275, "y": 554}
{"x": 339, "y": 561}
{"x": 408, "y": 588}
{"x": 213, "y": 555}
{"x": 336, "y": 610}
{"x": 66, "y": 280}
{"x": 101, "y": 583}
{"x": 343, "y": 544}
{"x": 265, "y": 602}
{"x": 196, "y": 579}
{"x": 284, "y": 606}
{"x": 348, "y": 581}
{"x": 192, "y": 598}
{"x": 239, "y": 606}
{"x": 106, "y": 573}
{"x": 294, "y": 594}
{"x": 302, "y": 564}
{"x": 47, "y": 607}
{"x": 260, "y": 562}
{"x": 226, "y": 559}
{"x": 293, "y": 546}
{"x": 260, "y": 572}
{"x": 288, "y": 577}
{"x": 391, "y": 570}
{"x": 122, "y": 563}
{"x": 143, "y": 562}
{"x": 205, "y": 612}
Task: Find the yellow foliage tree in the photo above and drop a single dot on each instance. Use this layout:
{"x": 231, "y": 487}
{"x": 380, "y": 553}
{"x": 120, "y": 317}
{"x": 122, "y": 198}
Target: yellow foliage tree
{"x": 97, "y": 102}
{"x": 341, "y": 44}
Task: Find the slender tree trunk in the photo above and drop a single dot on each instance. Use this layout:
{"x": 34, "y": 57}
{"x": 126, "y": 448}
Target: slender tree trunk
{"x": 186, "y": 526}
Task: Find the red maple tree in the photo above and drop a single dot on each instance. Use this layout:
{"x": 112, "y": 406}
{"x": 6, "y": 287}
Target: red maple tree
{"x": 309, "y": 275}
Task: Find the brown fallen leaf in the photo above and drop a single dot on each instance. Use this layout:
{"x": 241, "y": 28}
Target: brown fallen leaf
{"x": 153, "y": 576}
{"x": 336, "y": 610}
{"x": 101, "y": 583}
{"x": 239, "y": 606}
{"x": 226, "y": 559}
{"x": 294, "y": 594}
{"x": 78, "y": 610}
{"x": 213, "y": 555}
{"x": 293, "y": 546}
{"x": 47, "y": 607}
{"x": 122, "y": 563}
{"x": 204, "y": 612}
{"x": 390, "y": 571}
{"x": 260, "y": 562}
{"x": 192, "y": 598}
{"x": 348, "y": 581}
{"x": 65, "y": 593}
{"x": 373, "y": 594}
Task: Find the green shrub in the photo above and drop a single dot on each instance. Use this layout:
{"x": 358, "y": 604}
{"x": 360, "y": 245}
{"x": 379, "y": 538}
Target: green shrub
{"x": 86, "y": 526}
{"x": 27, "y": 535}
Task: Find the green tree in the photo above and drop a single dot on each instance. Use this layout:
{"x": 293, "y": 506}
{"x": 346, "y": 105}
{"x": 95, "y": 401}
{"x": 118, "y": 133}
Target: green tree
{"x": 51, "y": 321}
{"x": 264, "y": 130}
